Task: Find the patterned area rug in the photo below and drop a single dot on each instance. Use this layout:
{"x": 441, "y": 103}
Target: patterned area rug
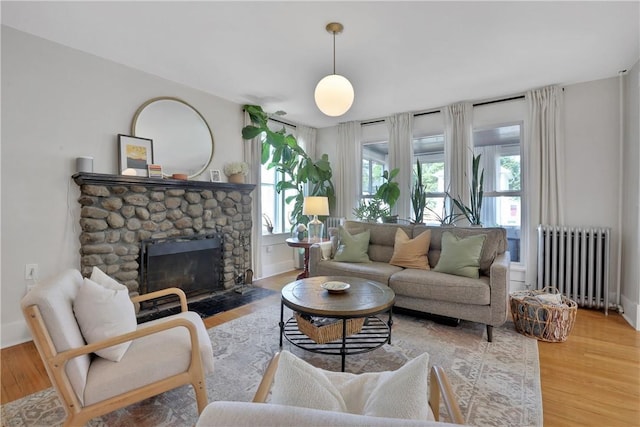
{"x": 497, "y": 384}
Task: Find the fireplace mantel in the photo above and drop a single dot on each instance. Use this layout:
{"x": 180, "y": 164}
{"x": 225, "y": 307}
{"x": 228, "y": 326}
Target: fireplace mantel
{"x": 84, "y": 178}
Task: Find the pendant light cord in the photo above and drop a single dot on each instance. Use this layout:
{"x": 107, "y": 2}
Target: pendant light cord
{"x": 334, "y": 52}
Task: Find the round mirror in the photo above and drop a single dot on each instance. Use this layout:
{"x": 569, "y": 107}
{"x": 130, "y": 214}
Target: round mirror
{"x": 182, "y": 139}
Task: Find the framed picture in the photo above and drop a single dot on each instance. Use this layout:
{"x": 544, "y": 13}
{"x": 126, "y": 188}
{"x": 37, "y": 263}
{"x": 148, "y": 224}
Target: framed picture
{"x": 134, "y": 155}
{"x": 155, "y": 171}
{"x": 215, "y": 175}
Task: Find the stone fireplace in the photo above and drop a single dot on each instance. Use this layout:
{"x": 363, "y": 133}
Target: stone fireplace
{"x": 119, "y": 213}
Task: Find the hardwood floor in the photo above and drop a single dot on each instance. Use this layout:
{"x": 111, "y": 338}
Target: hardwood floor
{"x": 592, "y": 379}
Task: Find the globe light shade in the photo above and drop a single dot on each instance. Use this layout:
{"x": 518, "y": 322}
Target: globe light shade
{"x": 334, "y": 95}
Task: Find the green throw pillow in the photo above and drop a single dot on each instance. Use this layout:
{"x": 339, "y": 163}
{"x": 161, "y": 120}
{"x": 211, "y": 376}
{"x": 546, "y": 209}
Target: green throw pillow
{"x": 353, "y": 248}
{"x": 460, "y": 256}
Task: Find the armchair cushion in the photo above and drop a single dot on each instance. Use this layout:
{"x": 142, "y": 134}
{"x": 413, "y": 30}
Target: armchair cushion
{"x": 104, "y": 312}
{"x": 139, "y": 365}
{"x": 395, "y": 394}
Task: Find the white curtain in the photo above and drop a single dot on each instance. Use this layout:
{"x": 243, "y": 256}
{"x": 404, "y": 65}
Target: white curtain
{"x": 252, "y": 152}
{"x": 348, "y": 169}
{"x": 544, "y": 148}
{"x": 401, "y": 156}
{"x": 306, "y": 137}
{"x": 458, "y": 148}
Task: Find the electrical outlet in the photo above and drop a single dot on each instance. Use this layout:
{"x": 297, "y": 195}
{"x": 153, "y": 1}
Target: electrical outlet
{"x": 31, "y": 271}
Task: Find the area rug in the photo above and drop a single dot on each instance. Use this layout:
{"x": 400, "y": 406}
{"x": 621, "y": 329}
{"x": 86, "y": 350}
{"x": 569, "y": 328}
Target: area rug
{"x": 497, "y": 384}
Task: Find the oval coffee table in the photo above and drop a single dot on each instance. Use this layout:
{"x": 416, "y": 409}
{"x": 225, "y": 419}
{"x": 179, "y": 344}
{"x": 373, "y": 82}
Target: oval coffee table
{"x": 364, "y": 299}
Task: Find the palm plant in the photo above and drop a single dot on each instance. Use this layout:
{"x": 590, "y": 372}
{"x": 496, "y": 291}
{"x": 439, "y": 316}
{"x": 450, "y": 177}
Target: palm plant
{"x": 476, "y": 191}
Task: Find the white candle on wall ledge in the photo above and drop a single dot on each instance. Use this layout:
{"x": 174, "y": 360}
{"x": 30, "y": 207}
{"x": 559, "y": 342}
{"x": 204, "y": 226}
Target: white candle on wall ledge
{"x": 129, "y": 172}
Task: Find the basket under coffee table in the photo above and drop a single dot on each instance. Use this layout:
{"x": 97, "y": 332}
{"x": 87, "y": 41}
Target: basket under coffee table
{"x": 354, "y": 310}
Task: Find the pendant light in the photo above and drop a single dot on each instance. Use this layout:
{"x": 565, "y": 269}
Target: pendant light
{"x": 334, "y": 93}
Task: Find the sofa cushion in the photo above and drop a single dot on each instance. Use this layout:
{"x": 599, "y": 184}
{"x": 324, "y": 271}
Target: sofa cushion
{"x": 460, "y": 256}
{"x": 411, "y": 253}
{"x": 378, "y": 271}
{"x": 431, "y": 285}
{"x": 353, "y": 248}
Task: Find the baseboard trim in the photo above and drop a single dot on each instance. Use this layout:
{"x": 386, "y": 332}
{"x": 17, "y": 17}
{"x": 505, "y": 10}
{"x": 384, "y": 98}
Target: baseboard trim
{"x": 631, "y": 312}
{"x": 278, "y": 268}
{"x": 15, "y": 333}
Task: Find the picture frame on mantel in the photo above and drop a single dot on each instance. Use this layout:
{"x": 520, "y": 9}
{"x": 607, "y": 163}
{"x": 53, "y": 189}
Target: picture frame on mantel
{"x": 135, "y": 154}
{"x": 215, "y": 175}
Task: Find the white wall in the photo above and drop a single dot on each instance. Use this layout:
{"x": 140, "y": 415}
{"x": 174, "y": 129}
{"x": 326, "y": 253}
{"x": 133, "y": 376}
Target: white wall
{"x": 57, "y": 104}
{"x": 630, "y": 272}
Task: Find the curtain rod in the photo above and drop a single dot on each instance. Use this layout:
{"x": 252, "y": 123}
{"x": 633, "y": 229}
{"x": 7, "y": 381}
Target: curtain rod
{"x": 282, "y": 123}
{"x": 426, "y": 113}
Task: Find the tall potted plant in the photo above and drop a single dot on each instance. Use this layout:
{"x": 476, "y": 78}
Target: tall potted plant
{"x": 389, "y": 192}
{"x": 476, "y": 191}
{"x": 418, "y": 196}
{"x": 282, "y": 152}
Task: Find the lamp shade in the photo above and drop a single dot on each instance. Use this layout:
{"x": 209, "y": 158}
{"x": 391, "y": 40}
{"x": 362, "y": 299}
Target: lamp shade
{"x": 334, "y": 95}
{"x": 315, "y": 205}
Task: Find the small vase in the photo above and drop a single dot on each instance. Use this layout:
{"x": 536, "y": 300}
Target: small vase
{"x": 301, "y": 235}
{"x": 236, "y": 178}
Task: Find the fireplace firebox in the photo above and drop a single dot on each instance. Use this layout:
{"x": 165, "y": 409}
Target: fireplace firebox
{"x": 191, "y": 263}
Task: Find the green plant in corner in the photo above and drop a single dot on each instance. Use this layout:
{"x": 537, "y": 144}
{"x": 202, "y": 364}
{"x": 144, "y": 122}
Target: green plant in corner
{"x": 282, "y": 152}
{"x": 476, "y": 191}
{"x": 448, "y": 217}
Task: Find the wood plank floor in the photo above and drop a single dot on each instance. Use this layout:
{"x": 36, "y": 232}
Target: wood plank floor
{"x": 593, "y": 379}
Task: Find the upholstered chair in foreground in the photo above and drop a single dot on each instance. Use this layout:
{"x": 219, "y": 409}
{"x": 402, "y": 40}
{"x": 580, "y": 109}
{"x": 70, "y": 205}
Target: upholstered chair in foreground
{"x": 98, "y": 358}
{"x": 298, "y": 394}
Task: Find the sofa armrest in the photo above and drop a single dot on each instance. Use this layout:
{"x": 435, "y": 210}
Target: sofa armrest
{"x": 315, "y": 256}
{"x": 499, "y": 283}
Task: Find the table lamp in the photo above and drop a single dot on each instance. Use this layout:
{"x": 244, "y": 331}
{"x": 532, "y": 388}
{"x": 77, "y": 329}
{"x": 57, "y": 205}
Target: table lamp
{"x": 315, "y": 206}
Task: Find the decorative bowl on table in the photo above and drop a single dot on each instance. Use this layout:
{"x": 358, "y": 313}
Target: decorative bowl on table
{"x": 335, "y": 287}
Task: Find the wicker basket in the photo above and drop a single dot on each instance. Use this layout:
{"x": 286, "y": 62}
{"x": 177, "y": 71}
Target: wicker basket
{"x": 544, "y": 321}
{"x": 329, "y": 332}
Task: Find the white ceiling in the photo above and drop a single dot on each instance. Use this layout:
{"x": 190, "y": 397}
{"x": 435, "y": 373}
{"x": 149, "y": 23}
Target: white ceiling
{"x": 399, "y": 56}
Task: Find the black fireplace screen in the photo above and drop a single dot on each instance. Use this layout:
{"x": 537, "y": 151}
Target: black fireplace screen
{"x": 191, "y": 263}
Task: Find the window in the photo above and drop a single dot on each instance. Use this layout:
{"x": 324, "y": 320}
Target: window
{"x": 429, "y": 151}
{"x": 501, "y": 159}
{"x": 374, "y": 159}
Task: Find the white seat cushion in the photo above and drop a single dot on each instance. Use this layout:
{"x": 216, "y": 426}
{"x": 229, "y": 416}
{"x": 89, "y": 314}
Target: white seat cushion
{"x": 148, "y": 359}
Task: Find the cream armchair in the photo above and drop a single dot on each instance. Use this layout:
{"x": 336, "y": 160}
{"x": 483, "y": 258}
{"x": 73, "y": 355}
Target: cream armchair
{"x": 160, "y": 356}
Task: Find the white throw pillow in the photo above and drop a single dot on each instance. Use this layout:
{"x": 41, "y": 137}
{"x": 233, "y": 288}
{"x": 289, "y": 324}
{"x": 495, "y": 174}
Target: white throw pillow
{"x": 101, "y": 278}
{"x": 326, "y": 248}
{"x": 298, "y": 383}
{"x": 103, "y": 312}
{"x": 403, "y": 393}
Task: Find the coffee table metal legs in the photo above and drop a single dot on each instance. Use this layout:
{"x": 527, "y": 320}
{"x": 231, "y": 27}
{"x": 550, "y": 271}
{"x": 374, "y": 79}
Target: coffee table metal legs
{"x": 281, "y": 322}
{"x": 343, "y": 351}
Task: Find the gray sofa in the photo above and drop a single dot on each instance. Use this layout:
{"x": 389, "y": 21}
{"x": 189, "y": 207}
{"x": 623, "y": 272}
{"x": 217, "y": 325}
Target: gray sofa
{"x": 483, "y": 300}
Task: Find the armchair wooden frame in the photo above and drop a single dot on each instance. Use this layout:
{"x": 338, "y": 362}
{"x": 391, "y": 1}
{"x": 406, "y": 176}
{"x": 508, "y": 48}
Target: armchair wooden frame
{"x": 439, "y": 387}
{"x": 55, "y": 363}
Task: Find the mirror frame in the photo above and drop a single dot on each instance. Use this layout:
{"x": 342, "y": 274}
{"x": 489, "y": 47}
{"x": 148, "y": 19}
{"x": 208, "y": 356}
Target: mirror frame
{"x": 172, "y": 98}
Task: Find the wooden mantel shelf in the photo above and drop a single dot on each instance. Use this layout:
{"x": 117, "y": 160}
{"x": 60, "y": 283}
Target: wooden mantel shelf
{"x": 84, "y": 178}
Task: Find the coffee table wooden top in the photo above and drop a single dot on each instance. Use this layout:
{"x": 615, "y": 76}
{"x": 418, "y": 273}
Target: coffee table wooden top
{"x": 363, "y": 298}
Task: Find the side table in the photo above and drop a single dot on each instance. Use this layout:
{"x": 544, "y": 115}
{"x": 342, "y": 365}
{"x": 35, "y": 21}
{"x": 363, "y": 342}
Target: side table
{"x": 305, "y": 244}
